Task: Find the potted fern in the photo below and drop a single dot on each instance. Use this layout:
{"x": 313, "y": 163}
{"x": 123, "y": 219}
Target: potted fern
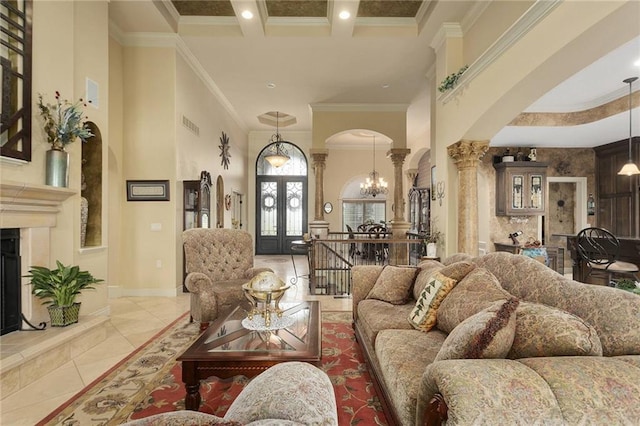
{"x": 58, "y": 289}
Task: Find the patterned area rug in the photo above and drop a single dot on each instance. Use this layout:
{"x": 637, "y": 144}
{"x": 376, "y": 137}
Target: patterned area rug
{"x": 149, "y": 381}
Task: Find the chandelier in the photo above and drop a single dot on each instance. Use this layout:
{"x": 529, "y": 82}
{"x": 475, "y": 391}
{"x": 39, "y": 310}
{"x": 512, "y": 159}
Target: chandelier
{"x": 374, "y": 184}
{"x": 279, "y": 156}
{"x": 630, "y": 167}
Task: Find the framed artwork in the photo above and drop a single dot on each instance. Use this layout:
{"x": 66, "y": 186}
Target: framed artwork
{"x": 147, "y": 190}
{"x": 433, "y": 183}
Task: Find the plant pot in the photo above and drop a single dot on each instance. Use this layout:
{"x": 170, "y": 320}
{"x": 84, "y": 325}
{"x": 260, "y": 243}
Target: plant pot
{"x": 431, "y": 249}
{"x": 61, "y": 316}
{"x": 57, "y": 168}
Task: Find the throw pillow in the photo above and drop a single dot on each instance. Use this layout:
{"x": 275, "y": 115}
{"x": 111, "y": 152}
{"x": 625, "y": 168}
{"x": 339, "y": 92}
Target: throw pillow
{"x": 393, "y": 284}
{"x": 487, "y": 334}
{"x": 475, "y": 292}
{"x": 543, "y": 330}
{"x": 423, "y": 314}
{"x": 457, "y": 271}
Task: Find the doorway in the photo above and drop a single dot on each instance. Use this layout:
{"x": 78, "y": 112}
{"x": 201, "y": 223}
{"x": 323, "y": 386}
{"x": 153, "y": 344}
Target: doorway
{"x": 281, "y": 201}
{"x": 566, "y": 212}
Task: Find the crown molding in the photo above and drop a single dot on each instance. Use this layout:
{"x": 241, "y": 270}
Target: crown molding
{"x": 346, "y": 107}
{"x": 447, "y": 30}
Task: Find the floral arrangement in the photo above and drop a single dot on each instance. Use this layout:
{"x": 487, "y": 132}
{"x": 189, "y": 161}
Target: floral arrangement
{"x": 451, "y": 80}
{"x": 63, "y": 122}
{"x": 434, "y": 237}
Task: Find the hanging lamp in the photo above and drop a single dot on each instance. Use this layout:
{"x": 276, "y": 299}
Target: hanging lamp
{"x": 279, "y": 155}
{"x": 630, "y": 168}
{"x": 374, "y": 184}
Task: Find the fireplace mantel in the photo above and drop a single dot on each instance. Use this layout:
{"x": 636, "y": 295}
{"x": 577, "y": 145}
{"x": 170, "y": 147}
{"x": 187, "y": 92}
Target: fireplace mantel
{"x": 25, "y": 205}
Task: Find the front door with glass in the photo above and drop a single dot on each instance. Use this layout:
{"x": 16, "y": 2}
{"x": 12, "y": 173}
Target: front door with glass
{"x": 281, "y": 201}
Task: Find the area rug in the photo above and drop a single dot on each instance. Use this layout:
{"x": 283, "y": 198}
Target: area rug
{"x": 149, "y": 381}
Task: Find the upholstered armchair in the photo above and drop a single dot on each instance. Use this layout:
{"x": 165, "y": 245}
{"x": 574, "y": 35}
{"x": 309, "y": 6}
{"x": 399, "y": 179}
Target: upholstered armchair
{"x": 218, "y": 262}
{"x": 290, "y": 393}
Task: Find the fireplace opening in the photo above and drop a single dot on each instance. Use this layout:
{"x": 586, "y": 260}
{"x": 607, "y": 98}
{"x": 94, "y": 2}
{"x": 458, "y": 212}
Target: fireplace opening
{"x": 10, "y": 303}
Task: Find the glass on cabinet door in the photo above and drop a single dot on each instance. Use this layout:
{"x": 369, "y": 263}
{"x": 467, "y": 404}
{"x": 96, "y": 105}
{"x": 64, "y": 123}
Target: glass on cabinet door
{"x": 517, "y": 187}
{"x": 536, "y": 191}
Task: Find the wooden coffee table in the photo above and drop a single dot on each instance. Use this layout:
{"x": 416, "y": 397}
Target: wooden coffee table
{"x": 227, "y": 349}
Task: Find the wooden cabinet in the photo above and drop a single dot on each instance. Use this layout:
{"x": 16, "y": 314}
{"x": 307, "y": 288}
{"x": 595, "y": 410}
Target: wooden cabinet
{"x": 618, "y": 197}
{"x": 419, "y": 209}
{"x": 197, "y": 202}
{"x": 520, "y": 187}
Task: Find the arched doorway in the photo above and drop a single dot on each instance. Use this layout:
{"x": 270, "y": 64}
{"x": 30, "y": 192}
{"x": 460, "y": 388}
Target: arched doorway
{"x": 281, "y": 201}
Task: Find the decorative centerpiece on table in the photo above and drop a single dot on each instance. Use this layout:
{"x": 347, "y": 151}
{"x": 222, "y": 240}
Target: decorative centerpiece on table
{"x": 264, "y": 292}
{"x": 63, "y": 124}
{"x": 58, "y": 289}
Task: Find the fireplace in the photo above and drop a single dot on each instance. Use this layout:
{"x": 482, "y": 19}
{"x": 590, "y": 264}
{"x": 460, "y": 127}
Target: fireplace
{"x": 28, "y": 212}
{"x": 10, "y": 304}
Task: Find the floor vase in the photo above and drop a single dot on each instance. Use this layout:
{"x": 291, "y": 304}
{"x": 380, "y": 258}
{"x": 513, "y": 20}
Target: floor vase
{"x": 57, "y": 168}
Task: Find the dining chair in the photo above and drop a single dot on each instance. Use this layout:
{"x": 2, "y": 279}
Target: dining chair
{"x": 600, "y": 249}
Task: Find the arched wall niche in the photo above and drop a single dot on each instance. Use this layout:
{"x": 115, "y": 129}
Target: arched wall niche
{"x": 91, "y": 189}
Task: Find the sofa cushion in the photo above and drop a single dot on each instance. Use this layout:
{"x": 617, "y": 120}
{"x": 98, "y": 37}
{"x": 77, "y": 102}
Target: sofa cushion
{"x": 423, "y": 314}
{"x": 547, "y": 331}
{"x": 487, "y": 334}
{"x": 394, "y": 284}
{"x": 375, "y": 315}
{"x": 427, "y": 268}
{"x": 403, "y": 356}
{"x": 475, "y": 292}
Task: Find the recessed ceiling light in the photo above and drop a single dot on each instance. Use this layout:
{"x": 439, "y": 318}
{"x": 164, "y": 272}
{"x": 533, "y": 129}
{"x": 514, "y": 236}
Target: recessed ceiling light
{"x": 344, "y": 14}
{"x": 386, "y": 86}
{"x": 637, "y": 63}
{"x": 247, "y": 14}
{"x": 271, "y": 85}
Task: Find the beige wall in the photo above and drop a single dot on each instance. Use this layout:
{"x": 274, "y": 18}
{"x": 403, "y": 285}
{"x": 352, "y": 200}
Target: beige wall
{"x": 353, "y": 165}
{"x": 195, "y": 153}
{"x": 69, "y": 45}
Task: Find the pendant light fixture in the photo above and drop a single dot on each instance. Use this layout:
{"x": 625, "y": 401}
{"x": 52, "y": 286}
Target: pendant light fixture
{"x": 374, "y": 184}
{"x": 278, "y": 157}
{"x": 630, "y": 168}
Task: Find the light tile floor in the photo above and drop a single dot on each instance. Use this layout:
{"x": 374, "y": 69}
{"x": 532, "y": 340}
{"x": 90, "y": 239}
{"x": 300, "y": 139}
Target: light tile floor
{"x": 133, "y": 321}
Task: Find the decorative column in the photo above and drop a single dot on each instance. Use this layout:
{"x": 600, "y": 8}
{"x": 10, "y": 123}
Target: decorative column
{"x": 399, "y": 226}
{"x": 466, "y": 155}
{"x": 319, "y": 226}
{"x": 397, "y": 157}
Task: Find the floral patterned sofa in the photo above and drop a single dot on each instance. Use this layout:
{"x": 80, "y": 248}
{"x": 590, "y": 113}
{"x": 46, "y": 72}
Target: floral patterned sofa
{"x": 497, "y": 339}
{"x": 291, "y": 393}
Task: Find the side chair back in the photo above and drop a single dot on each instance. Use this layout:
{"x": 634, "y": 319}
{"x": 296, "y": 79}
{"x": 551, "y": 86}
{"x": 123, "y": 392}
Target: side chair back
{"x": 600, "y": 249}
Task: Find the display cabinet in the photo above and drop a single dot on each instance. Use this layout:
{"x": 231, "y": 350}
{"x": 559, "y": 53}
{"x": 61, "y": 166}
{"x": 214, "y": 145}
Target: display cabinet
{"x": 419, "y": 209}
{"x": 197, "y": 202}
{"x": 196, "y": 208}
{"x": 520, "y": 187}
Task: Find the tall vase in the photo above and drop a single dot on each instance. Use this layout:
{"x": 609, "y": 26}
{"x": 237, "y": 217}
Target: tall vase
{"x": 57, "y": 168}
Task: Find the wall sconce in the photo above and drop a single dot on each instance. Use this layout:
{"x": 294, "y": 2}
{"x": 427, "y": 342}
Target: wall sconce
{"x": 440, "y": 191}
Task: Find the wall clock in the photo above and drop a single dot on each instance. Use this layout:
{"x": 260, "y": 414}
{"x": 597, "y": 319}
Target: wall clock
{"x": 224, "y": 150}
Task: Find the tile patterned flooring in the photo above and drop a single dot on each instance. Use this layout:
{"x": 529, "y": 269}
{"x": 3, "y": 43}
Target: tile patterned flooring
{"x": 132, "y": 322}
